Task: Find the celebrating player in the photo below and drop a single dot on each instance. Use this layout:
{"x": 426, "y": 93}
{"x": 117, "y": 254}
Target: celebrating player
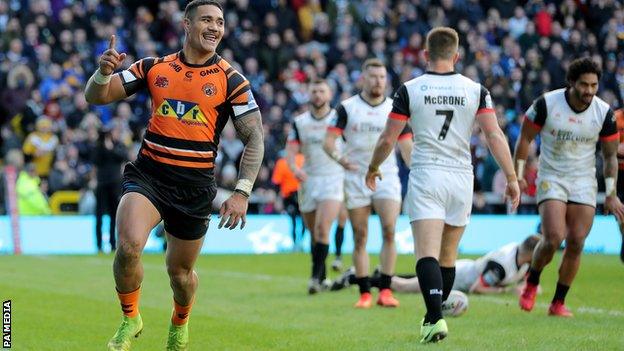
{"x": 321, "y": 190}
{"x": 441, "y": 107}
{"x": 194, "y": 93}
{"x": 570, "y": 122}
{"x": 360, "y": 120}
{"x": 494, "y": 273}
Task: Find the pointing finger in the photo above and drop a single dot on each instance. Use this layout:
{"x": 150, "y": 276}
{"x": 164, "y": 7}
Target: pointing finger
{"x": 111, "y": 43}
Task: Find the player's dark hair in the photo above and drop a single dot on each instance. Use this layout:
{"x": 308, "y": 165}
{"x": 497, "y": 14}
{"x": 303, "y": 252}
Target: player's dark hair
{"x": 529, "y": 244}
{"x": 372, "y": 62}
{"x": 190, "y": 8}
{"x": 442, "y": 43}
{"x": 582, "y": 66}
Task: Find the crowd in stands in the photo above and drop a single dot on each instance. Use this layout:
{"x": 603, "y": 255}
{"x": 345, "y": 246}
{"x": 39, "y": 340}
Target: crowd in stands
{"x": 49, "y": 48}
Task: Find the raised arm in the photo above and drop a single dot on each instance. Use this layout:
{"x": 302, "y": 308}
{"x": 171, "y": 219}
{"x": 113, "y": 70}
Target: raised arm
{"x": 103, "y": 87}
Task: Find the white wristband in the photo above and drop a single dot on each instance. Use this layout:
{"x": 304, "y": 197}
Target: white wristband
{"x": 610, "y": 186}
{"x": 520, "y": 172}
{"x": 101, "y": 79}
{"x": 244, "y": 185}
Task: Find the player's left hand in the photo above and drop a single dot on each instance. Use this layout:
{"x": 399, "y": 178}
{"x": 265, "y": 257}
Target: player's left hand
{"x": 233, "y": 210}
{"x": 371, "y": 176}
{"x": 512, "y": 193}
{"x": 613, "y": 205}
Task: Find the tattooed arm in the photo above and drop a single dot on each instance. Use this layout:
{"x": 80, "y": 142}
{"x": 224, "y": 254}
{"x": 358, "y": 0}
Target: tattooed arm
{"x": 612, "y": 203}
{"x": 250, "y": 132}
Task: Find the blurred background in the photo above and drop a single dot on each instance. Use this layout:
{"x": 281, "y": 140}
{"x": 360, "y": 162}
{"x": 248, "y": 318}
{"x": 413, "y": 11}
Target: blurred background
{"x": 49, "y": 48}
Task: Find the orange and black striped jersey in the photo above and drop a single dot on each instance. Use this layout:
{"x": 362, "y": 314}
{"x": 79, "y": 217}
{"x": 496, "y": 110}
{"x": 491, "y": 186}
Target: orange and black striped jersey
{"x": 619, "y": 121}
{"x": 190, "y": 106}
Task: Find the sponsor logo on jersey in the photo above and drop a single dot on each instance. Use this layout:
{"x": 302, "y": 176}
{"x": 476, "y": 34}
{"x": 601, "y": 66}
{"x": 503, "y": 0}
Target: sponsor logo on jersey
{"x": 175, "y": 67}
{"x": 188, "y": 75}
{"x": 208, "y": 71}
{"x": 185, "y": 111}
{"x": 209, "y": 89}
{"x": 161, "y": 82}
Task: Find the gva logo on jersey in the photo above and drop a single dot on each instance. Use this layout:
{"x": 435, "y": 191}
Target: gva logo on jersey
{"x": 185, "y": 111}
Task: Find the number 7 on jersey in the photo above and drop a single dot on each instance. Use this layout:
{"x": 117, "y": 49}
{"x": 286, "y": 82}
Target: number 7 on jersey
{"x": 447, "y": 122}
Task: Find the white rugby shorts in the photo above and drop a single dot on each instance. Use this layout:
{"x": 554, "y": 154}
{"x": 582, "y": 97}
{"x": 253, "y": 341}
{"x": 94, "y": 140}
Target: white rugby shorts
{"x": 440, "y": 194}
{"x": 359, "y": 195}
{"x": 320, "y": 188}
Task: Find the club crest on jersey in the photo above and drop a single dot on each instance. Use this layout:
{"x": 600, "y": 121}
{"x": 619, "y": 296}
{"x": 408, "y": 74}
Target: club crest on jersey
{"x": 209, "y": 89}
{"x": 185, "y": 111}
{"x": 161, "y": 82}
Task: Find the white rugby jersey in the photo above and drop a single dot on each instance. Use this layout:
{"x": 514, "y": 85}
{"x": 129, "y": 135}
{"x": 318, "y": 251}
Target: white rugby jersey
{"x": 361, "y": 124}
{"x": 499, "y": 268}
{"x": 309, "y": 132}
{"x": 569, "y": 137}
{"x": 441, "y": 109}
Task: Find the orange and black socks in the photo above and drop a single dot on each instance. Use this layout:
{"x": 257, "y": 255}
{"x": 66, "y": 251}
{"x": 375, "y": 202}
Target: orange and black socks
{"x": 130, "y": 302}
{"x": 181, "y": 313}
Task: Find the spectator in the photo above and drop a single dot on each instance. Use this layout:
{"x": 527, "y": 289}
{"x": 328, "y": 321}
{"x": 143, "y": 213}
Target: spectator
{"x": 108, "y": 157}
{"x": 40, "y": 145}
{"x": 31, "y": 200}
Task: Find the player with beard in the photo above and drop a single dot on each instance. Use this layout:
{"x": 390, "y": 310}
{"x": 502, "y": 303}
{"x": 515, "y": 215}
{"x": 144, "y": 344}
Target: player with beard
{"x": 570, "y": 122}
{"x": 194, "y": 92}
{"x": 360, "y": 119}
{"x": 321, "y": 188}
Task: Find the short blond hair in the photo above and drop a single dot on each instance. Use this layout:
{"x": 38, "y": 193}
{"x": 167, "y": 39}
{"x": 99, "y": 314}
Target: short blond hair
{"x": 442, "y": 43}
{"x": 372, "y": 62}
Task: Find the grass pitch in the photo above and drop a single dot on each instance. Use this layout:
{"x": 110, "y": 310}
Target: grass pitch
{"x": 260, "y": 303}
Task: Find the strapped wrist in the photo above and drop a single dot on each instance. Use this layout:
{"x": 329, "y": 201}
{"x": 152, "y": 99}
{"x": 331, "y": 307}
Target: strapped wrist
{"x": 520, "y": 168}
{"x": 610, "y": 186}
{"x": 101, "y": 79}
{"x": 244, "y": 186}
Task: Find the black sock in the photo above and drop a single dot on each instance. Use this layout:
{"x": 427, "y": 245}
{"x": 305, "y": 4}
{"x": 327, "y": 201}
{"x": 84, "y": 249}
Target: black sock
{"x": 448, "y": 278}
{"x": 534, "y": 276}
{"x": 339, "y": 238}
{"x": 406, "y": 276}
{"x": 430, "y": 279}
{"x": 319, "y": 258}
{"x": 384, "y": 281}
{"x": 314, "y": 252}
{"x": 364, "y": 283}
{"x": 375, "y": 282}
{"x": 560, "y": 293}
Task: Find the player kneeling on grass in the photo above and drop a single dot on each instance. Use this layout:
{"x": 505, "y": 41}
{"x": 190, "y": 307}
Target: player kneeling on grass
{"x": 173, "y": 176}
{"x": 496, "y": 272}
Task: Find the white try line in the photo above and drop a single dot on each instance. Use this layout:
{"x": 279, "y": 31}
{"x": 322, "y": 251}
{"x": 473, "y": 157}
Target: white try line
{"x": 581, "y": 309}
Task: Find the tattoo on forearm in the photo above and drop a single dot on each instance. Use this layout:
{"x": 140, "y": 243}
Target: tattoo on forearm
{"x": 609, "y": 153}
{"x": 249, "y": 130}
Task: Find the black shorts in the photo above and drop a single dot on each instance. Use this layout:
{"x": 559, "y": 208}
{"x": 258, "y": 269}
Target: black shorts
{"x": 184, "y": 209}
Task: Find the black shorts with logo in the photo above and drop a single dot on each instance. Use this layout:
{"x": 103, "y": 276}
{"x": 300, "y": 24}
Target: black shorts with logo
{"x": 184, "y": 209}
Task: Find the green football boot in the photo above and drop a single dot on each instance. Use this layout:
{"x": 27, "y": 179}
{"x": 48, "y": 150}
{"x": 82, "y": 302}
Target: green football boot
{"x": 178, "y": 339}
{"x": 130, "y": 328}
{"x": 433, "y": 332}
